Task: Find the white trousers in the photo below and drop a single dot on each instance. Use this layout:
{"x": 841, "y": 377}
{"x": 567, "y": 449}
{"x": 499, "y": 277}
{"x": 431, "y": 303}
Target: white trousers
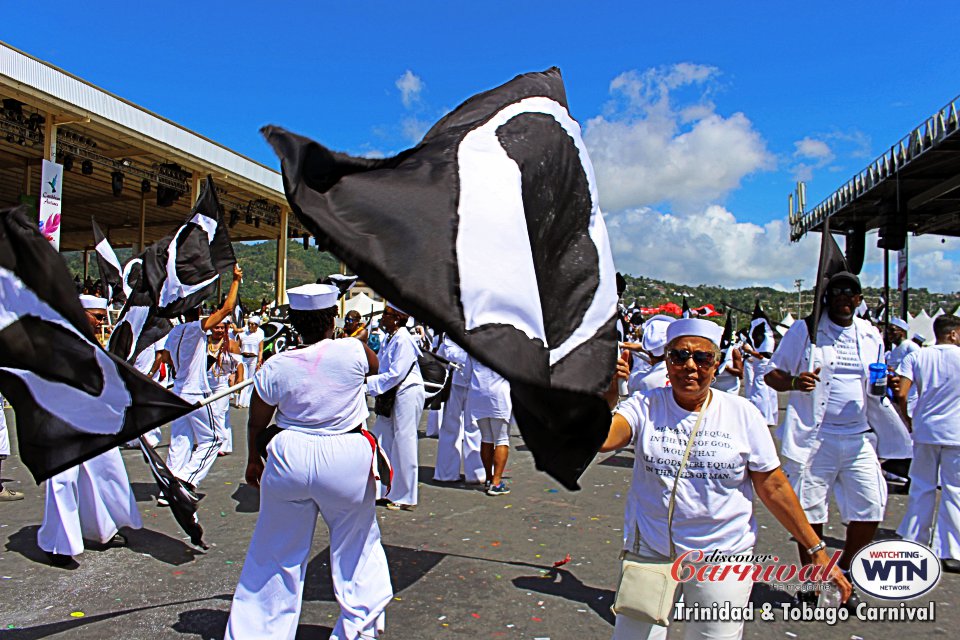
{"x": 193, "y": 443}
{"x": 398, "y": 437}
{"x": 934, "y": 464}
{"x": 220, "y": 415}
{"x": 434, "y": 418}
{"x": 307, "y": 474}
{"x": 4, "y": 436}
{"x": 693, "y": 592}
{"x": 92, "y": 500}
{"x": 762, "y": 396}
{"x": 459, "y": 441}
{"x": 249, "y": 369}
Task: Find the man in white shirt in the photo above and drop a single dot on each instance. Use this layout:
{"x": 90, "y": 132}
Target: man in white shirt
{"x": 459, "y": 442}
{"x": 193, "y": 442}
{"x": 489, "y": 405}
{"x": 399, "y": 376}
{"x": 902, "y": 347}
{"x": 935, "y": 373}
{"x": 827, "y": 444}
{"x": 251, "y": 350}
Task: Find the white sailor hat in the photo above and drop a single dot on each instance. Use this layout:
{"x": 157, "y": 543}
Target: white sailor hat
{"x": 655, "y": 334}
{"x": 695, "y": 327}
{"x": 900, "y": 323}
{"x": 93, "y": 302}
{"x": 313, "y": 297}
{"x": 390, "y": 305}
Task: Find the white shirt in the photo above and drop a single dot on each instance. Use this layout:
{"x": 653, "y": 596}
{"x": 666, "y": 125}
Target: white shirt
{"x": 894, "y": 358}
{"x": 187, "y": 344}
{"x": 218, "y": 375}
{"x": 250, "y": 341}
{"x": 935, "y": 372}
{"x": 455, "y": 353}
{"x": 398, "y": 364}
{"x": 146, "y": 358}
{"x": 846, "y": 410}
{"x": 654, "y": 378}
{"x": 714, "y": 504}
{"x": 318, "y": 388}
{"x": 489, "y": 394}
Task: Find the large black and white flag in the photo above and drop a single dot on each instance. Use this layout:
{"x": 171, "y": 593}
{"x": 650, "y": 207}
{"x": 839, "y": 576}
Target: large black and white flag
{"x": 109, "y": 265}
{"x": 489, "y": 230}
{"x": 73, "y": 399}
{"x": 831, "y": 261}
{"x": 761, "y": 330}
{"x": 181, "y": 270}
{"x": 138, "y": 326}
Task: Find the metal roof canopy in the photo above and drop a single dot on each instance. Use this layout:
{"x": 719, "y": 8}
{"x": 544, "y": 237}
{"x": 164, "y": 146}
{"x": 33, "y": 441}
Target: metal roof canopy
{"x": 118, "y": 136}
{"x": 915, "y": 182}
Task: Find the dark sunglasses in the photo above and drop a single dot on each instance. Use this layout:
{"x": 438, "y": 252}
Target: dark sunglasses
{"x": 844, "y": 291}
{"x": 679, "y": 357}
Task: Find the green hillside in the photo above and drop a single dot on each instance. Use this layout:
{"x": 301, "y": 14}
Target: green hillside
{"x": 306, "y": 265}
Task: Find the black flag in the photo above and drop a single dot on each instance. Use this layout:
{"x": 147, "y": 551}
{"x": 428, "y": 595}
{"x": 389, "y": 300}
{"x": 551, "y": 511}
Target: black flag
{"x": 181, "y": 270}
{"x": 727, "y": 338}
{"x": 685, "y": 311}
{"x": 340, "y": 281}
{"x": 73, "y": 399}
{"x": 761, "y": 330}
{"x": 139, "y": 326}
{"x": 489, "y": 230}
{"x": 182, "y": 501}
{"x": 831, "y": 261}
{"x": 109, "y": 266}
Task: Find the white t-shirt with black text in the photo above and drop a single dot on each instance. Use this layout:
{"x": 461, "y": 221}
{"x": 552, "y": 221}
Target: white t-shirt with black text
{"x": 714, "y": 504}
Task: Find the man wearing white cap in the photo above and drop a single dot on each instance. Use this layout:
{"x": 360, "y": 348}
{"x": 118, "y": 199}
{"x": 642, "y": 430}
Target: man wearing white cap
{"x": 700, "y": 458}
{"x": 317, "y": 463}
{"x": 93, "y": 500}
{"x": 654, "y": 340}
{"x": 902, "y": 347}
{"x": 251, "y": 350}
{"x": 193, "y": 442}
{"x": 460, "y": 437}
{"x": 400, "y": 379}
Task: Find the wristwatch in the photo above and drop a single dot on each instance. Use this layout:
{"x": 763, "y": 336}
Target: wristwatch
{"x": 820, "y": 546}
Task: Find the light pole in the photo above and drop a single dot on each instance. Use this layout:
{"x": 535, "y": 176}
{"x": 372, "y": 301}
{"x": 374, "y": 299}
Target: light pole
{"x": 799, "y": 284}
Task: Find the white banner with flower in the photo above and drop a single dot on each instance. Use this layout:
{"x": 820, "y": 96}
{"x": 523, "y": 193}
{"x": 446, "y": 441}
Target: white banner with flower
{"x": 50, "y": 192}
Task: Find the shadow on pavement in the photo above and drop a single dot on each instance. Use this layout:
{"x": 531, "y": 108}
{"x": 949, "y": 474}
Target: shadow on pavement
{"x": 563, "y": 584}
{"x": 618, "y": 460}
{"x": 407, "y": 566}
{"x": 425, "y": 476}
{"x": 247, "y": 498}
{"x": 144, "y": 491}
{"x": 763, "y": 593}
{"x": 208, "y": 624}
{"x": 160, "y": 546}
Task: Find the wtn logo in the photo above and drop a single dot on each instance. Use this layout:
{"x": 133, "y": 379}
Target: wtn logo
{"x": 903, "y": 570}
{"x": 895, "y": 569}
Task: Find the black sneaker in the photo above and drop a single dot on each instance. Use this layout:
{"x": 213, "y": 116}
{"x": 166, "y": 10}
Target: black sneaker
{"x": 118, "y": 540}
{"x": 59, "y": 560}
{"x": 951, "y": 565}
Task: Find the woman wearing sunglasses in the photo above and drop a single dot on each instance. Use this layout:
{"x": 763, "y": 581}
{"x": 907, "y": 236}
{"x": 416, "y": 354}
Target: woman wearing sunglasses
{"x": 732, "y": 457}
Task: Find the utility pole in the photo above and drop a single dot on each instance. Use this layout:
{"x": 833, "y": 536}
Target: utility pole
{"x": 798, "y": 283}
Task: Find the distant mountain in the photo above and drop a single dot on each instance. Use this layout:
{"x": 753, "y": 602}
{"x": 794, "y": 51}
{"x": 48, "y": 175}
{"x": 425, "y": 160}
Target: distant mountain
{"x": 306, "y": 265}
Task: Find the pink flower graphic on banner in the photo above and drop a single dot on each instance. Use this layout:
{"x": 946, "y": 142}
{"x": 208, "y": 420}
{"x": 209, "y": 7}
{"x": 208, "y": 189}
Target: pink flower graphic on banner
{"x": 50, "y": 226}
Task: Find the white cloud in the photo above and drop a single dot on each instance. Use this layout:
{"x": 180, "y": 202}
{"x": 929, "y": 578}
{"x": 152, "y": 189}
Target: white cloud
{"x": 661, "y": 140}
{"x": 414, "y": 128}
{"x": 411, "y": 87}
{"x": 711, "y": 246}
{"x": 813, "y": 149}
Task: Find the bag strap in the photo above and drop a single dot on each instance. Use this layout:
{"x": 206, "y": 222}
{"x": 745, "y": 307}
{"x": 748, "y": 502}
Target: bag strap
{"x": 676, "y": 480}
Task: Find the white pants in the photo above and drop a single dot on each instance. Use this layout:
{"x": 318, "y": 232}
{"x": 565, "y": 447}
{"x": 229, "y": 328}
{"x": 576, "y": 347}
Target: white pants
{"x": 398, "y": 437}
{"x": 220, "y": 415}
{"x": 249, "y": 369}
{"x": 693, "y": 592}
{"x": 933, "y": 464}
{"x": 459, "y": 441}
{"x": 193, "y": 443}
{"x": 434, "y": 418}
{"x": 92, "y": 500}
{"x": 762, "y": 396}
{"x": 307, "y": 474}
{"x": 4, "y": 436}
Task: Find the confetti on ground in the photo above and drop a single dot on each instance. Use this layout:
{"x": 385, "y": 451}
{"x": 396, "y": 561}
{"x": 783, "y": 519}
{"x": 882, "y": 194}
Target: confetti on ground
{"x": 76, "y": 614}
{"x": 475, "y": 615}
{"x": 791, "y": 635}
{"x": 495, "y": 543}
{"x": 178, "y": 573}
{"x": 536, "y": 619}
{"x": 229, "y": 561}
{"x": 553, "y": 491}
{"x": 227, "y": 483}
{"x": 442, "y": 618}
{"x": 560, "y": 563}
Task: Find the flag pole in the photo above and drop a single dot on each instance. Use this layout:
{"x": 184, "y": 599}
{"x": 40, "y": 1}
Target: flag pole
{"x": 225, "y": 392}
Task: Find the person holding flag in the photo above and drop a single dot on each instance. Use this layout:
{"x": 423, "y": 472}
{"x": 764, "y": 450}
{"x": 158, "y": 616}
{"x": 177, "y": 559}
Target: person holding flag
{"x": 193, "y": 442}
{"x": 93, "y": 499}
{"x": 318, "y": 462}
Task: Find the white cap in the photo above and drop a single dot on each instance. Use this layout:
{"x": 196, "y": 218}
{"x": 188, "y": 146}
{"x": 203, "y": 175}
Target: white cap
{"x": 900, "y": 323}
{"x": 312, "y": 297}
{"x": 655, "y": 333}
{"x": 390, "y": 305}
{"x": 695, "y": 327}
{"x": 255, "y": 319}
{"x": 93, "y": 302}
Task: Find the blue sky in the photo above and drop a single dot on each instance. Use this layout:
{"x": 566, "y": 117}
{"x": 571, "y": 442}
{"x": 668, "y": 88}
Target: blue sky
{"x": 699, "y": 116}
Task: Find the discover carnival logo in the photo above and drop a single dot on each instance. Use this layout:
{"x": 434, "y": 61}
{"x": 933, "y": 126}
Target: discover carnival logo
{"x": 895, "y": 569}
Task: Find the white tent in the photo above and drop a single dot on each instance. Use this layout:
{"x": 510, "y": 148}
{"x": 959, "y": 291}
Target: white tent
{"x": 363, "y": 304}
{"x": 922, "y": 323}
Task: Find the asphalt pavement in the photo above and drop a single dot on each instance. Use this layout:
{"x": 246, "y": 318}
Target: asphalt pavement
{"x": 463, "y": 564}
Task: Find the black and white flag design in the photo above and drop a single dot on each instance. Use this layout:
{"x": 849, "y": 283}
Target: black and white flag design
{"x": 138, "y": 326}
{"x": 489, "y": 230}
{"x": 761, "y": 331}
{"x": 340, "y": 281}
{"x": 73, "y": 399}
{"x": 109, "y": 265}
{"x": 685, "y": 310}
{"x": 182, "y": 269}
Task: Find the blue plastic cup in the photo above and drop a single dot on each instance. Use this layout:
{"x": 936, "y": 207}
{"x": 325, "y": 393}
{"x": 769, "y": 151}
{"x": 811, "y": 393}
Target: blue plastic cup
{"x": 878, "y": 379}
